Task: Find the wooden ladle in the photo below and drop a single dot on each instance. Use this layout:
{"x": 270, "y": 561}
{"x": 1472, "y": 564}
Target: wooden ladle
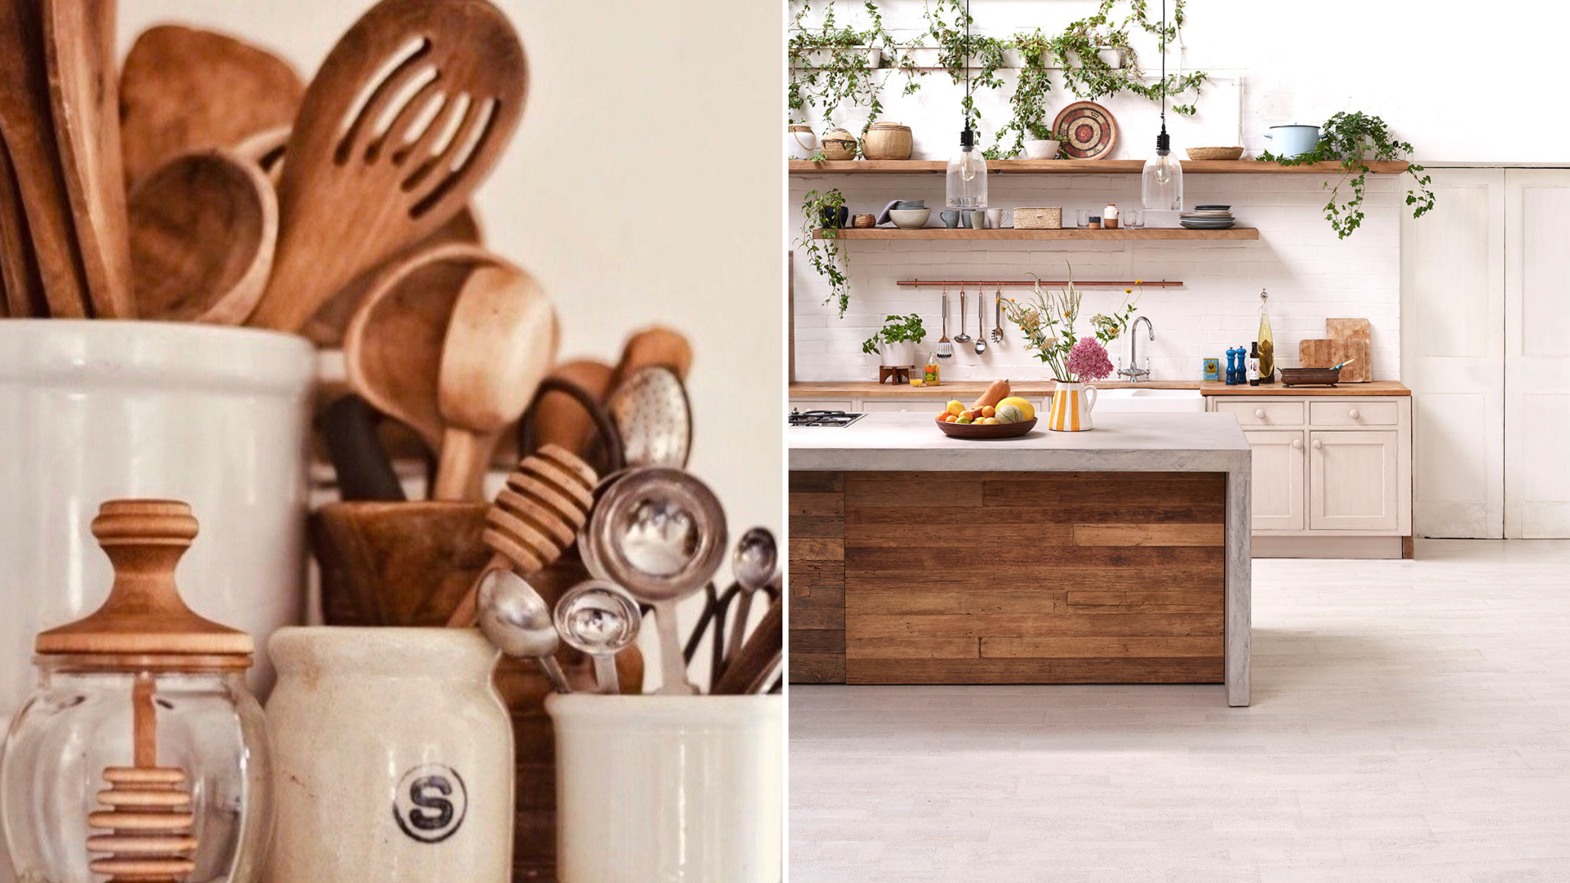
{"x": 203, "y": 230}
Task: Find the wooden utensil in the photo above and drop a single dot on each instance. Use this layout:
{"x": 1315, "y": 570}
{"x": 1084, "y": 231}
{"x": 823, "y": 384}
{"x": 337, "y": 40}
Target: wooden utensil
{"x": 452, "y": 104}
{"x": 393, "y": 345}
{"x": 558, "y": 420}
{"x": 500, "y": 344}
{"x": 185, "y": 89}
{"x": 749, "y": 670}
{"x": 203, "y": 231}
{"x": 28, "y": 128}
{"x": 1357, "y": 329}
{"x": 24, "y": 290}
{"x": 654, "y": 346}
{"x": 79, "y": 50}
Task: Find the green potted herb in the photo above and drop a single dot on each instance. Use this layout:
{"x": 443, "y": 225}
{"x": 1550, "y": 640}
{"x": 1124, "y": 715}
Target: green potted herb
{"x": 895, "y": 343}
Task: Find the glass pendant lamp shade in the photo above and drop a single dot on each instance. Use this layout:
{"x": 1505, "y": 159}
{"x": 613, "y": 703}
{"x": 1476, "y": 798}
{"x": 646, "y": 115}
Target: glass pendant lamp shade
{"x": 967, "y": 176}
{"x": 1161, "y": 184}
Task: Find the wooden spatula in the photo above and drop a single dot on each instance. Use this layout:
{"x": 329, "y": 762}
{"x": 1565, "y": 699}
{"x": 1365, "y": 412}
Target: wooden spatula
{"x": 24, "y": 291}
{"x": 405, "y": 118}
{"x": 28, "y": 128}
{"x": 185, "y": 89}
{"x": 84, "y": 97}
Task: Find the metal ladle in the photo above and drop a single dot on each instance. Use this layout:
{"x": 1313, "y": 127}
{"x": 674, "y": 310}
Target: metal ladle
{"x": 660, "y": 533}
{"x": 600, "y": 619}
{"x": 754, "y": 564}
{"x": 518, "y": 621}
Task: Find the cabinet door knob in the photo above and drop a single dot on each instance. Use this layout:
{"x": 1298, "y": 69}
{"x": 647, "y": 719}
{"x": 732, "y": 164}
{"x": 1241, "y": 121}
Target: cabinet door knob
{"x": 1352, "y": 413}
{"x": 1259, "y": 413}
{"x": 1297, "y": 443}
{"x": 1318, "y": 444}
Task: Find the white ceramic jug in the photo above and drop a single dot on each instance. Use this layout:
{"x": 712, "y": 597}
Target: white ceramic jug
{"x": 1071, "y": 406}
{"x": 392, "y": 757}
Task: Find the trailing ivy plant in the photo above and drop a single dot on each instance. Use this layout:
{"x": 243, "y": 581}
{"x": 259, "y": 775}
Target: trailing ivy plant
{"x": 896, "y": 329}
{"x": 983, "y": 55}
{"x": 1029, "y": 120}
{"x": 1354, "y": 140}
{"x": 827, "y": 255}
{"x": 830, "y": 65}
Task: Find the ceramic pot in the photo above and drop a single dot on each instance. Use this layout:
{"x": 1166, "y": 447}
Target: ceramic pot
{"x": 834, "y": 219}
{"x": 93, "y": 410}
{"x": 887, "y": 141}
{"x": 800, "y": 142}
{"x": 897, "y": 355}
{"x": 1289, "y": 141}
{"x": 1037, "y": 149}
{"x": 839, "y": 144}
{"x": 670, "y": 788}
{"x": 1071, "y": 407}
{"x": 392, "y": 757}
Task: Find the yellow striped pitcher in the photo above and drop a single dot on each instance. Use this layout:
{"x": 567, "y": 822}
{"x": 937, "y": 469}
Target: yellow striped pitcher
{"x": 1071, "y": 406}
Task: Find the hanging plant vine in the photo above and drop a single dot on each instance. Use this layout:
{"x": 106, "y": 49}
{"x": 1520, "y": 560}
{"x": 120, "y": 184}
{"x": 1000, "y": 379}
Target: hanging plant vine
{"x": 1354, "y": 140}
{"x": 830, "y": 65}
{"x": 827, "y": 255}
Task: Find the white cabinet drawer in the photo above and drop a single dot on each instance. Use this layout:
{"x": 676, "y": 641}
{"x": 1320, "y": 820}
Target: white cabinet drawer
{"x": 823, "y": 404}
{"x": 913, "y": 405}
{"x": 1350, "y": 411}
{"x": 1264, "y": 413}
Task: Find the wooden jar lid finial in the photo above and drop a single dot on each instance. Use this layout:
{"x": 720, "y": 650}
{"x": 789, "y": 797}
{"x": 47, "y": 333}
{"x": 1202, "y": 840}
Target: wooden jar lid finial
{"x": 144, "y": 614}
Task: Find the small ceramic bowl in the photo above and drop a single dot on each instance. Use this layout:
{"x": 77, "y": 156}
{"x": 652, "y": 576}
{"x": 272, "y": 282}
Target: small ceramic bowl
{"x": 1041, "y": 149}
{"x": 910, "y": 219}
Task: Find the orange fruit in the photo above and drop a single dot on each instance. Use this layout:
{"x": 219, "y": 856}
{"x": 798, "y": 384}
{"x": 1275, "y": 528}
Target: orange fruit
{"x": 988, "y": 411}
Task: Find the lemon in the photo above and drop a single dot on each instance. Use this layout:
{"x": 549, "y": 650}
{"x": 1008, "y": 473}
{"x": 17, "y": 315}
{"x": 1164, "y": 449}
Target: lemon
{"x": 955, "y": 407}
{"x": 1025, "y": 407}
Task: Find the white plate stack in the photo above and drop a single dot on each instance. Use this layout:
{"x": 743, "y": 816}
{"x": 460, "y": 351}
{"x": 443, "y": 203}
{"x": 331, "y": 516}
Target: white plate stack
{"x": 1208, "y": 217}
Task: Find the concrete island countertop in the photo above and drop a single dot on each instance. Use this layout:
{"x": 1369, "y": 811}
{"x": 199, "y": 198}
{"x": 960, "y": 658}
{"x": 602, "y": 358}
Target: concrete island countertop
{"x": 1120, "y": 442}
{"x": 960, "y": 389}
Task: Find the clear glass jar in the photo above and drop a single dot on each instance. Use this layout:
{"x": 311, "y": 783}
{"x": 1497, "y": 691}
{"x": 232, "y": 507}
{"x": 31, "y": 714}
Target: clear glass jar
{"x": 80, "y": 722}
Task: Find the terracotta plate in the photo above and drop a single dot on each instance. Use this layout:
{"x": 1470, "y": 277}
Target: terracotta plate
{"x": 990, "y": 430}
{"x": 1086, "y": 130}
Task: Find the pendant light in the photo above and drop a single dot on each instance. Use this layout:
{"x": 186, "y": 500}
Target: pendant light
{"x": 967, "y": 173}
{"x": 1161, "y": 183}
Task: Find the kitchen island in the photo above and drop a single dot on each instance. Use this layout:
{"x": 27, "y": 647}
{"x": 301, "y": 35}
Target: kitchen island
{"x": 1118, "y": 555}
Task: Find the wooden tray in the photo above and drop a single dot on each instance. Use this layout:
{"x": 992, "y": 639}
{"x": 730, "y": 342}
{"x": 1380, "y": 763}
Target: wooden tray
{"x": 1310, "y": 376}
{"x": 989, "y": 430}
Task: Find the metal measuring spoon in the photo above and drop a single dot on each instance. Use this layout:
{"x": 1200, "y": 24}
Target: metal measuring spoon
{"x": 653, "y": 418}
{"x": 659, "y": 533}
{"x": 754, "y": 564}
{"x": 600, "y": 619}
{"x": 518, "y": 621}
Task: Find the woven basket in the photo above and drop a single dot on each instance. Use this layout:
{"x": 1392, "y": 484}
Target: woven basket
{"x": 887, "y": 141}
{"x": 1214, "y": 153}
{"x": 838, "y": 144}
{"x": 1038, "y": 218}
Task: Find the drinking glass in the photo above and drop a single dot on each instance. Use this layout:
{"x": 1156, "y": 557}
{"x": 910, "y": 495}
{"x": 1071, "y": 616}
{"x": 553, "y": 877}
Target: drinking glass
{"x": 1134, "y": 219}
{"x": 1084, "y": 217}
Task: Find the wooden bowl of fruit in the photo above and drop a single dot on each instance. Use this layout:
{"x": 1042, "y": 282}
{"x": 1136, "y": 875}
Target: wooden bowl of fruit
{"x": 995, "y": 415}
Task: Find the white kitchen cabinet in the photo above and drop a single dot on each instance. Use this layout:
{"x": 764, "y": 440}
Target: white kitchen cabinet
{"x": 1353, "y": 480}
{"x": 914, "y": 406}
{"x": 805, "y": 405}
{"x": 1278, "y": 479}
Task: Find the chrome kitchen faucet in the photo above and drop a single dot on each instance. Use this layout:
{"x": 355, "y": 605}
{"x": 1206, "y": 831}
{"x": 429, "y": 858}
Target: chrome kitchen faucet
{"x": 1133, "y": 372}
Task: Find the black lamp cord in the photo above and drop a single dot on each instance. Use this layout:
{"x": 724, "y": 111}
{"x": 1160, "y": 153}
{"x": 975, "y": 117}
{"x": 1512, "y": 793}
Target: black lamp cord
{"x": 1163, "y": 67}
{"x": 967, "y": 60}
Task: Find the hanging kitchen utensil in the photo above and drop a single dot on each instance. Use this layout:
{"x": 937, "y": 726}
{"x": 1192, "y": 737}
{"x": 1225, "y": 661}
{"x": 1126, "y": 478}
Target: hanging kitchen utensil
{"x": 518, "y": 622}
{"x": 962, "y": 337}
{"x": 27, "y": 125}
{"x": 981, "y": 322}
{"x": 945, "y": 349}
{"x": 659, "y": 533}
{"x": 184, "y": 89}
{"x": 84, "y": 94}
{"x": 997, "y": 316}
{"x": 202, "y": 233}
{"x": 754, "y": 564}
{"x": 353, "y": 192}
{"x": 653, "y": 418}
{"x": 601, "y": 620}
{"x": 500, "y": 342}
{"x": 24, "y": 290}
{"x": 362, "y": 466}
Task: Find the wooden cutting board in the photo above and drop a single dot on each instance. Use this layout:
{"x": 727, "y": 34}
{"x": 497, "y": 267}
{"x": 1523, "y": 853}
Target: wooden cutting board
{"x": 1327, "y": 353}
{"x": 1356, "y": 329}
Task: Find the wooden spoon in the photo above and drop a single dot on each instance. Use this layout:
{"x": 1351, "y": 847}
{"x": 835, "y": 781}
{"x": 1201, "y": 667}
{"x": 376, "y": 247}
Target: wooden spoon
{"x": 80, "y": 52}
{"x": 203, "y": 230}
{"x": 650, "y": 347}
{"x": 450, "y": 107}
{"x": 558, "y": 420}
{"x": 500, "y": 344}
{"x": 28, "y": 128}
{"x": 393, "y": 346}
{"x": 24, "y": 290}
{"x": 184, "y": 90}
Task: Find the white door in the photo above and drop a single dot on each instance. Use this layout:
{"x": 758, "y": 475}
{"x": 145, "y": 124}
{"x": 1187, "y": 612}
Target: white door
{"x": 1537, "y": 354}
{"x": 1453, "y": 354}
{"x": 1278, "y": 479}
{"x": 1353, "y": 478}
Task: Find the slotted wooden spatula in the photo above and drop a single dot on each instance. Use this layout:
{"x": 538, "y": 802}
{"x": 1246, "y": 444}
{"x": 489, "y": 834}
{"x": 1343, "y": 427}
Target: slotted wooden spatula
{"x": 405, "y": 118}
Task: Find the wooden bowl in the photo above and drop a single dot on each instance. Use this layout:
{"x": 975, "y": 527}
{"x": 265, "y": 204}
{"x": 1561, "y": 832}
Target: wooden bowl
{"x": 987, "y": 430}
{"x": 1310, "y": 376}
{"x": 1215, "y": 153}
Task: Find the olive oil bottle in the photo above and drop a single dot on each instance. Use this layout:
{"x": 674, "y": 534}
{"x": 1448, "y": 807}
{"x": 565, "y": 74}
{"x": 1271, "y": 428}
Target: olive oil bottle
{"x": 1267, "y": 343}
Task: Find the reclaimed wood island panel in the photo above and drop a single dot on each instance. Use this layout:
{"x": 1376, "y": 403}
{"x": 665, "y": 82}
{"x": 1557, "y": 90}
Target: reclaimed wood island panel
{"x": 971, "y": 575}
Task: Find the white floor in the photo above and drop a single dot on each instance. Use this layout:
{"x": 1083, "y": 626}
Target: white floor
{"x": 1411, "y": 722}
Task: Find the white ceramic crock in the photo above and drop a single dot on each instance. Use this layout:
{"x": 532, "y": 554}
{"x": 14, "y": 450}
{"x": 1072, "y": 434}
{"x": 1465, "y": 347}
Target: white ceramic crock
{"x": 897, "y": 355}
{"x": 1071, "y": 406}
{"x": 669, "y": 789}
{"x": 1041, "y": 149}
{"x": 392, "y": 757}
{"x": 94, "y": 410}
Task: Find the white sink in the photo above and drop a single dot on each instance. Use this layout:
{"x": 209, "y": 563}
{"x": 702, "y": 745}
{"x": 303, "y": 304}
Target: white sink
{"x": 1149, "y": 399}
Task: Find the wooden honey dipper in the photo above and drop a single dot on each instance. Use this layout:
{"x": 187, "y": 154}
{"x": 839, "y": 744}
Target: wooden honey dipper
{"x": 534, "y": 519}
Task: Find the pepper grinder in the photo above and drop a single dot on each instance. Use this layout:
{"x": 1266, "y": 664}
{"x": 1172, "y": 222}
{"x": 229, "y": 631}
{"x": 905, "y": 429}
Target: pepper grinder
{"x": 153, "y": 699}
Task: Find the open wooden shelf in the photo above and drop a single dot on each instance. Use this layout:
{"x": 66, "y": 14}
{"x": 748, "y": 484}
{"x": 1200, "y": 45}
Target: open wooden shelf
{"x": 1078, "y": 167}
{"x": 1147, "y": 234}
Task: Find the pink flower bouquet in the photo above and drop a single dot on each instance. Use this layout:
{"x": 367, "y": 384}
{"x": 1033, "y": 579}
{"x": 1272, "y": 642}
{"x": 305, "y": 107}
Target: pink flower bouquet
{"x": 1088, "y": 361}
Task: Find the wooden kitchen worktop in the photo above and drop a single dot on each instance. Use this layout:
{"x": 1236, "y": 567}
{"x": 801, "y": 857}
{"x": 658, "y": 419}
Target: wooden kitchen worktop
{"x": 963, "y": 389}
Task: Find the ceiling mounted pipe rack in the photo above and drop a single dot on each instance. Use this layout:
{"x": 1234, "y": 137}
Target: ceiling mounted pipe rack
{"x": 1030, "y": 283}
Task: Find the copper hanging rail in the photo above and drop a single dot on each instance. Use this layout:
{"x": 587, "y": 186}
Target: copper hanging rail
{"x": 1008, "y": 283}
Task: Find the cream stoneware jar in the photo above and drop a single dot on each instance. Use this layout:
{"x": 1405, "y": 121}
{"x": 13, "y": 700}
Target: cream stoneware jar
{"x": 392, "y": 757}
